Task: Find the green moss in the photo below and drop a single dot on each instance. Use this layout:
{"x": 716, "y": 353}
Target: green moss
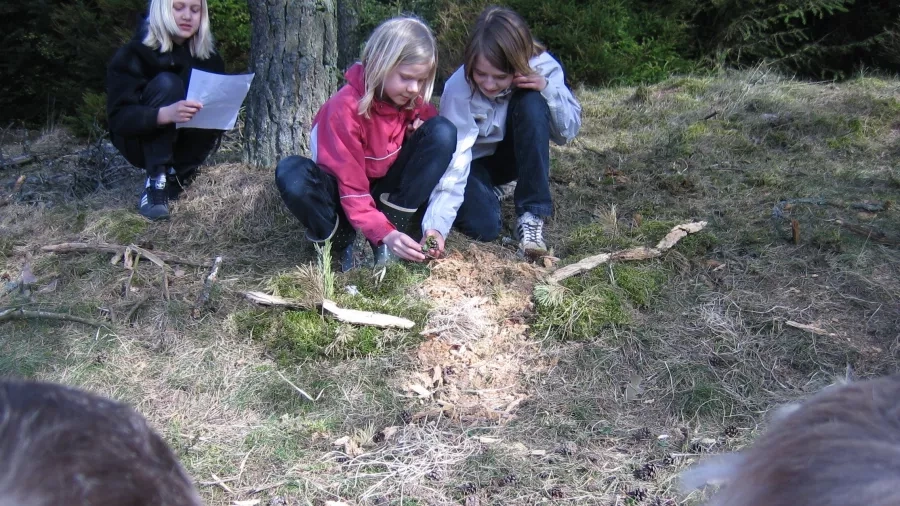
{"x": 302, "y": 335}
{"x": 697, "y": 245}
{"x": 653, "y": 231}
{"x": 120, "y": 226}
{"x": 640, "y": 283}
{"x": 582, "y": 312}
{"x": 591, "y": 239}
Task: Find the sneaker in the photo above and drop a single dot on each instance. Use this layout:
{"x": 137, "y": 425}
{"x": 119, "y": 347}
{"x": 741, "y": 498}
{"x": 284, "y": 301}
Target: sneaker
{"x": 530, "y": 229}
{"x": 154, "y": 203}
{"x": 505, "y": 191}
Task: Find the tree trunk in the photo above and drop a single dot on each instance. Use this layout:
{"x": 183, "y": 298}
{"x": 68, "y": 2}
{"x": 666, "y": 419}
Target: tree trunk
{"x": 293, "y": 51}
{"x": 348, "y": 38}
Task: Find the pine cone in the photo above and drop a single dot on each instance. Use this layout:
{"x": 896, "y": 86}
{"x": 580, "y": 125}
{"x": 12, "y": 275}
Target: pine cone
{"x": 668, "y": 460}
{"x": 406, "y": 416}
{"x": 642, "y": 434}
{"x": 646, "y": 473}
{"x": 509, "y": 479}
{"x": 696, "y": 447}
{"x": 433, "y": 476}
{"x": 556, "y": 493}
{"x": 731, "y": 431}
{"x": 378, "y": 437}
{"x": 637, "y": 494}
{"x": 468, "y": 488}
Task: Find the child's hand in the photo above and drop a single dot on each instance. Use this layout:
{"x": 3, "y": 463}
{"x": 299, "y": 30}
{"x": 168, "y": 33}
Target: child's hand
{"x": 433, "y": 244}
{"x": 403, "y": 246}
{"x": 533, "y": 81}
{"x": 179, "y": 112}
{"x": 414, "y": 125}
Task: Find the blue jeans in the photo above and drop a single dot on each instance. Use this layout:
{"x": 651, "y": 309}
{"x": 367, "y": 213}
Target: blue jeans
{"x": 524, "y": 156}
{"x": 311, "y": 194}
{"x": 185, "y": 149}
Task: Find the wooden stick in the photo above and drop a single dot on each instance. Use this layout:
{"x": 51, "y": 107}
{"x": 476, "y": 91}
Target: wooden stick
{"x": 23, "y": 314}
{"x": 641, "y": 253}
{"x": 135, "y": 307}
{"x": 366, "y": 317}
{"x": 869, "y": 233}
{"x": 298, "y": 389}
{"x": 809, "y": 328}
{"x": 345, "y": 315}
{"x": 81, "y": 247}
{"x": 207, "y": 288}
{"x": 19, "y": 160}
{"x": 17, "y": 187}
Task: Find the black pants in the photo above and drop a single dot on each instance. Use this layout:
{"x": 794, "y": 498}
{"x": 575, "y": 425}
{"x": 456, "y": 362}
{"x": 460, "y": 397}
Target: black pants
{"x": 311, "y": 194}
{"x": 184, "y": 149}
{"x": 524, "y": 156}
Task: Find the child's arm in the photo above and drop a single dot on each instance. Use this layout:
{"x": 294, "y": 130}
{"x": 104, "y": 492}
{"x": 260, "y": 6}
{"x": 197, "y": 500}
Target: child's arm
{"x": 447, "y": 196}
{"x": 338, "y": 148}
{"x": 125, "y": 81}
{"x": 565, "y": 111}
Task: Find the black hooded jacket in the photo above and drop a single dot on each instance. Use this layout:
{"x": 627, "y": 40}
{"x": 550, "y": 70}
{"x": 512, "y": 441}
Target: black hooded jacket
{"x": 133, "y": 66}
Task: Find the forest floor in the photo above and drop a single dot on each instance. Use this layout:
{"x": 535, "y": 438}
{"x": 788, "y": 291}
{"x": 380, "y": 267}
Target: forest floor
{"x": 508, "y": 390}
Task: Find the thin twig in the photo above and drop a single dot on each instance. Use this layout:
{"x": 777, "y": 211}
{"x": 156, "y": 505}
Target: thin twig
{"x": 262, "y": 488}
{"x": 23, "y": 314}
{"x": 220, "y": 482}
{"x": 80, "y": 247}
{"x": 207, "y": 288}
{"x": 298, "y": 389}
{"x": 135, "y": 307}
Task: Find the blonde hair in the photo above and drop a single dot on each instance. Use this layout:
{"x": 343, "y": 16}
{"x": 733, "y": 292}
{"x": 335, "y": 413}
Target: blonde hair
{"x": 161, "y": 26}
{"x": 502, "y": 38}
{"x": 397, "y": 41}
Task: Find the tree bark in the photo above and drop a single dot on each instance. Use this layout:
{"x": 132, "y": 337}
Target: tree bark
{"x": 293, "y": 51}
{"x": 348, "y": 39}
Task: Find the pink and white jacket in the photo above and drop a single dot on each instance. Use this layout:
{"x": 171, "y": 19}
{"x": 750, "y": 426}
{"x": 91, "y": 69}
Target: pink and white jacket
{"x": 357, "y": 150}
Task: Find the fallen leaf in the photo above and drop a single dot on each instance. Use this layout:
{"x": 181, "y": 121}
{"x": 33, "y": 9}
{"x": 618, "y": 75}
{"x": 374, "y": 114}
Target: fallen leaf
{"x": 437, "y": 376}
{"x": 341, "y": 441}
{"x": 49, "y": 287}
{"x": 27, "y": 277}
{"x": 250, "y": 502}
{"x": 539, "y": 453}
{"x": 389, "y": 432}
{"x": 179, "y": 272}
{"x": 488, "y": 440}
{"x": 419, "y": 389}
{"x": 336, "y": 503}
{"x": 633, "y": 389}
{"x": 352, "y": 449}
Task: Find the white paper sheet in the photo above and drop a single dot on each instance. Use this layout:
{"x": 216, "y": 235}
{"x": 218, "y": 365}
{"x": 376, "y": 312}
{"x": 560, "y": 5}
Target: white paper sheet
{"x": 221, "y": 96}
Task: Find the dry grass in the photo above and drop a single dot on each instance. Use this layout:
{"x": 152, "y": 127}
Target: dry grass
{"x": 487, "y": 402}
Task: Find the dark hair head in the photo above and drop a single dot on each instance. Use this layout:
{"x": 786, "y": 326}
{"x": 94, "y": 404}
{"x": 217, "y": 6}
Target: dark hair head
{"x": 502, "y": 38}
{"x": 59, "y": 445}
{"x": 840, "y": 448}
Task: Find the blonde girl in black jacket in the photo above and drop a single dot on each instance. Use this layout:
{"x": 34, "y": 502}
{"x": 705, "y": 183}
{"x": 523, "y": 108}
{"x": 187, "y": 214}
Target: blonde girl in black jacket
{"x": 147, "y": 82}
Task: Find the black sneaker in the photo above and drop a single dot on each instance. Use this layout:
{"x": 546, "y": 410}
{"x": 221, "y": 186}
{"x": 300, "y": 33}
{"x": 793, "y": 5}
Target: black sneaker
{"x": 154, "y": 203}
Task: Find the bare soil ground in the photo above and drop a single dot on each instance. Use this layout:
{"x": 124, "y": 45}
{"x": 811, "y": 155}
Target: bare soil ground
{"x": 506, "y": 391}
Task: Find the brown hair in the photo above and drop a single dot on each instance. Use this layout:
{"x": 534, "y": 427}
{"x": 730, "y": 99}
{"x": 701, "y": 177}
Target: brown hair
{"x": 503, "y": 38}
{"x": 59, "y": 445}
{"x": 842, "y": 447}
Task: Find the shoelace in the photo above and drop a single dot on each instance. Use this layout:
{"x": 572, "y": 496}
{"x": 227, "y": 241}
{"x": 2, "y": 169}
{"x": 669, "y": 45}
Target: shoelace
{"x": 156, "y": 196}
{"x": 531, "y": 231}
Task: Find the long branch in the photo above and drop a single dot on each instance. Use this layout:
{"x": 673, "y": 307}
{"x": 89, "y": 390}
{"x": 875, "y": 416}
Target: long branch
{"x": 80, "y": 247}
{"x": 24, "y": 314}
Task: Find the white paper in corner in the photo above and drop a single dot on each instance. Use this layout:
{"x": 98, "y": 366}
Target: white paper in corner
{"x": 221, "y": 96}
